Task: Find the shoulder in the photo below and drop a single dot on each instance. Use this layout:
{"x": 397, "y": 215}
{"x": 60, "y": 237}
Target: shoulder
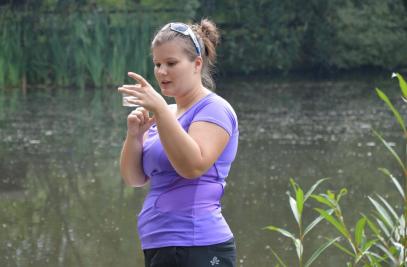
{"x": 217, "y": 110}
{"x": 219, "y": 104}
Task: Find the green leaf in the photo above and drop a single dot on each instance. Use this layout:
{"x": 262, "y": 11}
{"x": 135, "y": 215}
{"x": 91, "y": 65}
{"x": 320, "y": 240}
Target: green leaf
{"x": 402, "y": 83}
{"x": 342, "y": 193}
{"x": 294, "y": 209}
{"x": 368, "y": 245}
{"x": 300, "y": 201}
{"x": 312, "y": 189}
{"x": 382, "y": 226}
{"x": 338, "y": 225}
{"x": 330, "y": 195}
{"x": 299, "y": 247}
{"x": 372, "y": 226}
{"x": 365, "y": 249}
{"x": 359, "y": 230}
{"x": 344, "y": 249}
{"x": 324, "y": 200}
{"x": 278, "y": 258}
{"x": 319, "y": 251}
{"x": 384, "y": 97}
{"x": 389, "y": 208}
{"x": 383, "y": 213}
{"x": 315, "y": 222}
{"x": 388, "y": 252}
{"x": 396, "y": 183}
{"x": 391, "y": 150}
{"x": 281, "y": 231}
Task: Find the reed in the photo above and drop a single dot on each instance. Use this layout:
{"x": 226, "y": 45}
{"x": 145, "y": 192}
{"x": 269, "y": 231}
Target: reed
{"x": 83, "y": 49}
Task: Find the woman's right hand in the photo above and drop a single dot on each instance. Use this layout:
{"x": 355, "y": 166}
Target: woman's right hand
{"x": 138, "y": 122}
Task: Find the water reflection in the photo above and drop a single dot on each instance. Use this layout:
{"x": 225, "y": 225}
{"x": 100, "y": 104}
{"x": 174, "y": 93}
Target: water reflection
{"x": 62, "y": 202}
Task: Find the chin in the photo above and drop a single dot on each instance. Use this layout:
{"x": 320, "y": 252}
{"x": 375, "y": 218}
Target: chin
{"x": 166, "y": 92}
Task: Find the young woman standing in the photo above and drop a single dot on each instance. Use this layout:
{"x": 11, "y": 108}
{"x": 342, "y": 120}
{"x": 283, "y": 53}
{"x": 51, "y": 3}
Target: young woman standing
{"x": 184, "y": 151}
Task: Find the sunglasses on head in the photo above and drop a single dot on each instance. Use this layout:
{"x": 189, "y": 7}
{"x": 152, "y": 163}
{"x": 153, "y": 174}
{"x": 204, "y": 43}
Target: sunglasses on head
{"x": 187, "y": 31}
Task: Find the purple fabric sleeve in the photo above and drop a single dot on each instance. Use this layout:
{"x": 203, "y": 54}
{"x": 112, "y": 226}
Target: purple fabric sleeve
{"x": 219, "y": 114}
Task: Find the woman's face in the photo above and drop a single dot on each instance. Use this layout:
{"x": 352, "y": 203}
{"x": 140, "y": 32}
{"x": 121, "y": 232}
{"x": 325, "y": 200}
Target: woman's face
{"x": 174, "y": 71}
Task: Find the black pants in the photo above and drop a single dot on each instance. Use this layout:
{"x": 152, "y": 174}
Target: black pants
{"x": 218, "y": 255}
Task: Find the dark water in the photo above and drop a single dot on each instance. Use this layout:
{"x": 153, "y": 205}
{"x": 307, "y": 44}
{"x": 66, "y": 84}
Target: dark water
{"x": 62, "y": 202}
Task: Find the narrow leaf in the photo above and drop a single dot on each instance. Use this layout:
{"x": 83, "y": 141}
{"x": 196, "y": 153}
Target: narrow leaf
{"x": 339, "y": 226}
{"x": 299, "y": 248}
{"x": 324, "y": 200}
{"x": 294, "y": 209}
{"x": 344, "y": 249}
{"x": 372, "y": 226}
{"x": 383, "y": 226}
{"x": 384, "y": 97}
{"x": 278, "y": 259}
{"x": 281, "y": 231}
{"x": 300, "y": 201}
{"x": 383, "y": 213}
{"x": 319, "y": 251}
{"x": 391, "y": 150}
{"x": 365, "y": 249}
{"x": 402, "y": 83}
{"x": 312, "y": 189}
{"x": 368, "y": 245}
{"x": 359, "y": 230}
{"x": 389, "y": 207}
{"x": 388, "y": 253}
{"x": 315, "y": 222}
{"x": 394, "y": 179}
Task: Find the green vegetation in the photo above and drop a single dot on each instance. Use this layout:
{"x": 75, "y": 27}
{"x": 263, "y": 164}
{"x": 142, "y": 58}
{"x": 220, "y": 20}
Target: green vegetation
{"x": 377, "y": 240}
{"x": 93, "y": 43}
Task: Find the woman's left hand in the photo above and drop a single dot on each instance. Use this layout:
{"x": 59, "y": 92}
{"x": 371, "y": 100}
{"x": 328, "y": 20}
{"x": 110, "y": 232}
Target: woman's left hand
{"x": 146, "y": 96}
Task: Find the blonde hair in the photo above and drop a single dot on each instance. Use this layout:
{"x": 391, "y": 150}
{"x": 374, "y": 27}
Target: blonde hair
{"x": 208, "y": 37}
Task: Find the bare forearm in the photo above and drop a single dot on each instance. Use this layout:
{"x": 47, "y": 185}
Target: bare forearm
{"x": 131, "y": 167}
{"x": 182, "y": 151}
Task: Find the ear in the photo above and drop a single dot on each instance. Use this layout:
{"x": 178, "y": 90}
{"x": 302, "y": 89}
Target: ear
{"x": 198, "y": 64}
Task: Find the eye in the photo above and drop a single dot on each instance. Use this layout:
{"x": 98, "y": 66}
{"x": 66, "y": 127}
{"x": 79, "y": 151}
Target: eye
{"x": 171, "y": 64}
{"x": 157, "y": 65}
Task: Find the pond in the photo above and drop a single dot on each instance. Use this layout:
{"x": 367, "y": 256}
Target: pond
{"x": 62, "y": 202}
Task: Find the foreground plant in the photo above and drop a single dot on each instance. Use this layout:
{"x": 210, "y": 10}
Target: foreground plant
{"x": 297, "y": 207}
{"x": 386, "y": 242}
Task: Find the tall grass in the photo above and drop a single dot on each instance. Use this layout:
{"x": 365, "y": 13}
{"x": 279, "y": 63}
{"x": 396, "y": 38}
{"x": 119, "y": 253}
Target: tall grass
{"x": 82, "y": 49}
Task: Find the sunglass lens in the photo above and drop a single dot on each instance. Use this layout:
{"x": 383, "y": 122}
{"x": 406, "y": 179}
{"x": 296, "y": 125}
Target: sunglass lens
{"x": 179, "y": 27}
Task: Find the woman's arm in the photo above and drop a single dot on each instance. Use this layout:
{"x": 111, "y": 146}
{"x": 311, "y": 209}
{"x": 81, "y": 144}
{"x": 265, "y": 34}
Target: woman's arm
{"x": 193, "y": 153}
{"x": 131, "y": 168}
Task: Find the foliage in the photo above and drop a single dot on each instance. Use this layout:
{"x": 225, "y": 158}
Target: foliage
{"x": 297, "y": 206}
{"x": 379, "y": 239}
{"x": 94, "y": 42}
{"x": 268, "y": 35}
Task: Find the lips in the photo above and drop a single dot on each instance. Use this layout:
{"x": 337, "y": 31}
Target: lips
{"x": 165, "y": 82}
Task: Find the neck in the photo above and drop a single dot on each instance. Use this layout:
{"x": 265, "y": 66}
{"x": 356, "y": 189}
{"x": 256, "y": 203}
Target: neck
{"x": 191, "y": 97}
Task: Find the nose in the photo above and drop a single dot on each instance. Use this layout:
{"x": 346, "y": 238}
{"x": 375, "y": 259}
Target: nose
{"x": 161, "y": 70}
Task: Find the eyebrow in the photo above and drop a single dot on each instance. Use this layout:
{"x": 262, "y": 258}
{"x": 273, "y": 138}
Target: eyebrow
{"x": 166, "y": 59}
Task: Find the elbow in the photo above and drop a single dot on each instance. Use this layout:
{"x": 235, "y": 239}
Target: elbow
{"x": 133, "y": 181}
{"x": 192, "y": 173}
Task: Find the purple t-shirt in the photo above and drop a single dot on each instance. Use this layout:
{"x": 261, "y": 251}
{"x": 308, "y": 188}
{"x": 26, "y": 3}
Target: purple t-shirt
{"x": 187, "y": 212}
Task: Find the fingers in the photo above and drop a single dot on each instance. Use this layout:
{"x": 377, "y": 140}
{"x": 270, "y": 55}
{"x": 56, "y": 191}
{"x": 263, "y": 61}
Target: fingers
{"x": 138, "y": 78}
{"x": 137, "y": 116}
{"x": 130, "y": 89}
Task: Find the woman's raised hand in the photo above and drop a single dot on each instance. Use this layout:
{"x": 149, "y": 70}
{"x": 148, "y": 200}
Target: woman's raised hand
{"x": 145, "y": 94}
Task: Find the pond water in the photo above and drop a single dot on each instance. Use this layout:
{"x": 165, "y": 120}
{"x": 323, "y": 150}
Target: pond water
{"x": 62, "y": 202}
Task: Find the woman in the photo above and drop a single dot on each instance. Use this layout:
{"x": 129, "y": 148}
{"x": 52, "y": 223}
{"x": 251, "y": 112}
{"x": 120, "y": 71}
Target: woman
{"x": 184, "y": 150}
